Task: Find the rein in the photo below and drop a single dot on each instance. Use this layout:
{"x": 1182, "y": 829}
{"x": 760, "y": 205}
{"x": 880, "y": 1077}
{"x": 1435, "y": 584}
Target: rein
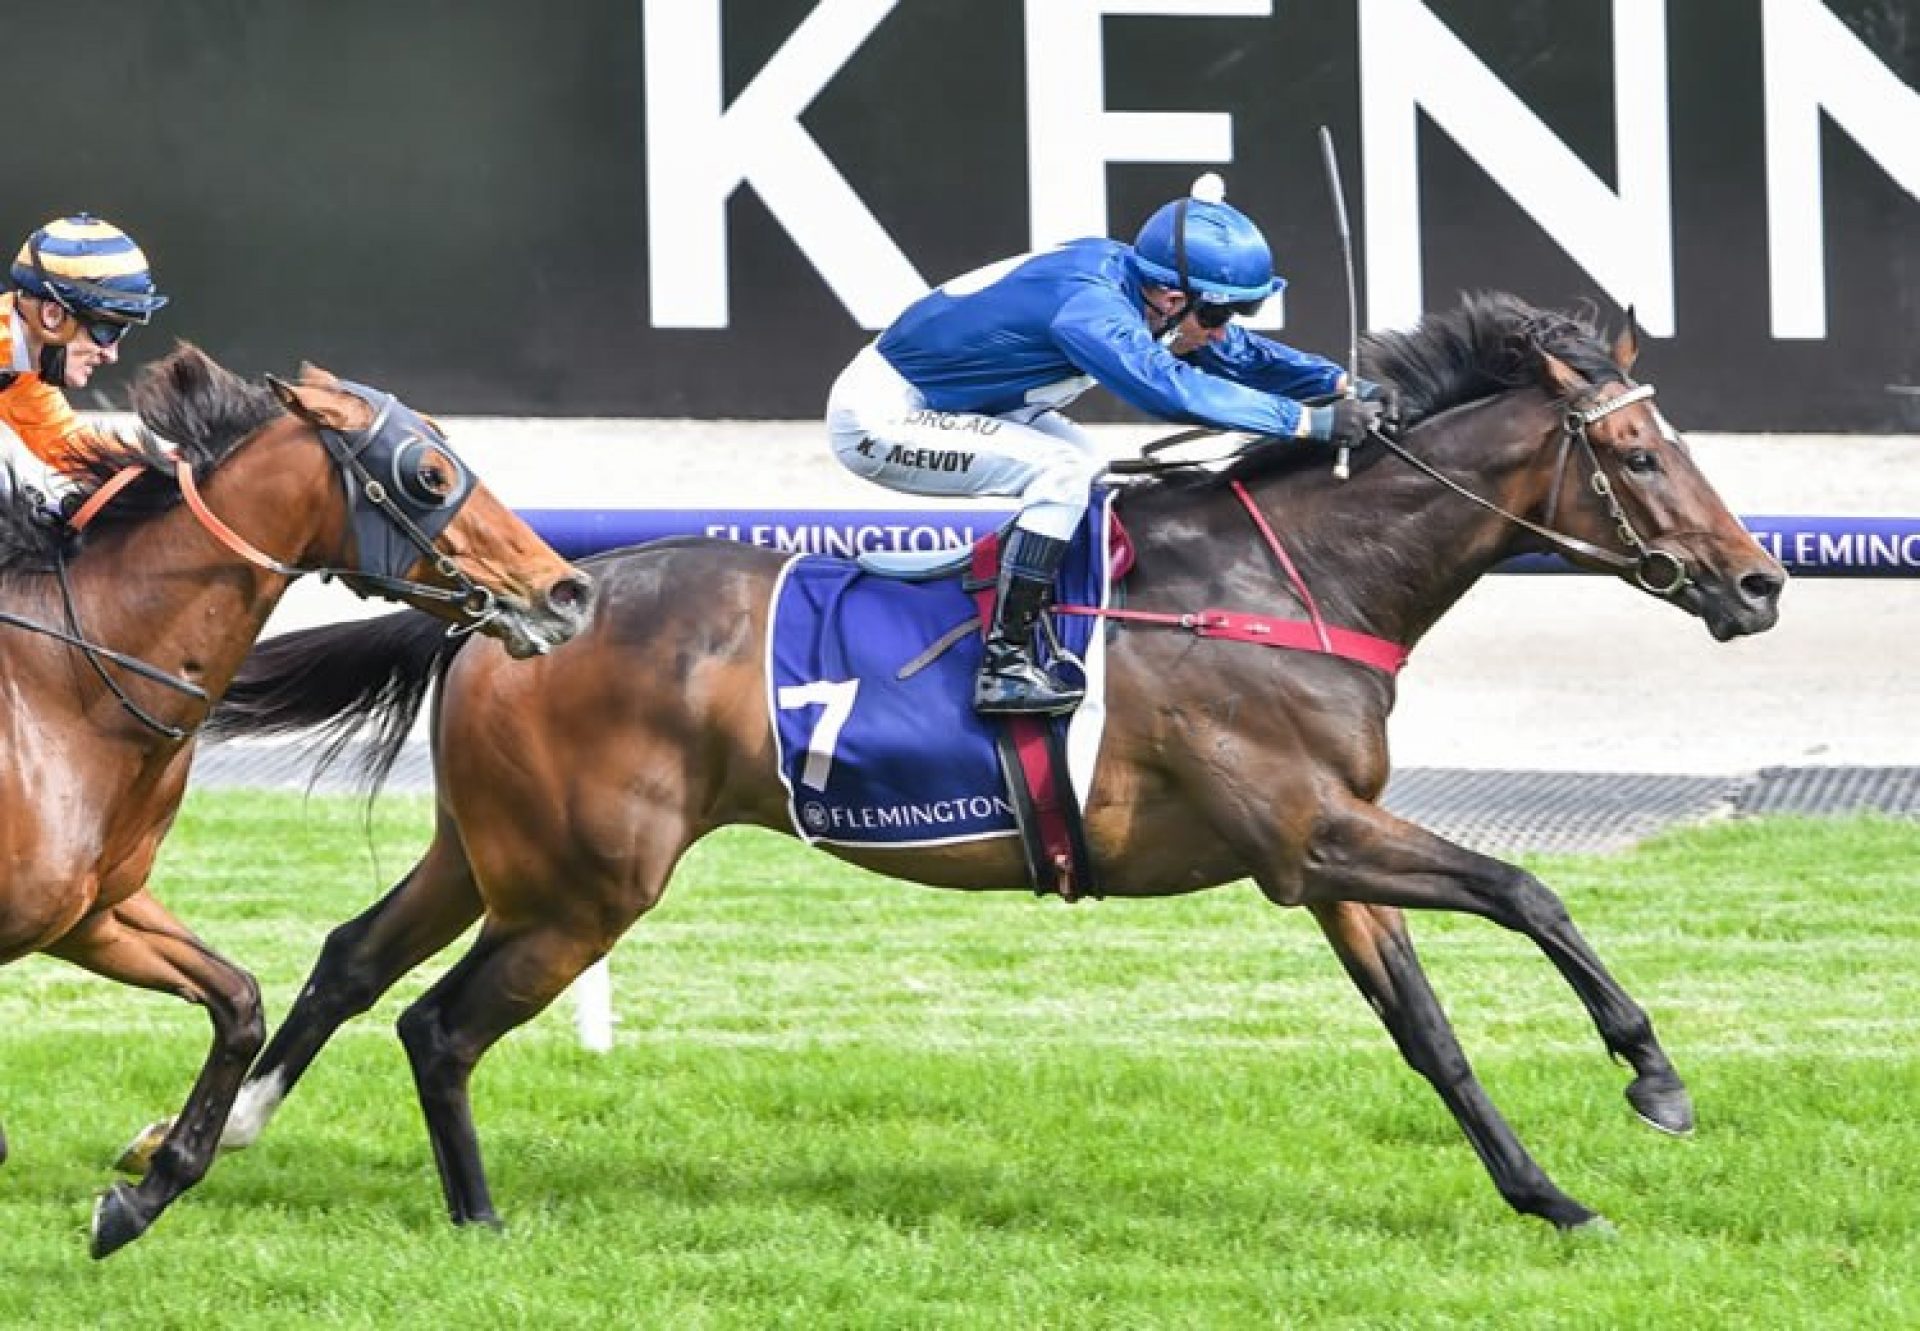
{"x": 1659, "y": 572}
{"x": 1655, "y": 571}
{"x": 477, "y": 603}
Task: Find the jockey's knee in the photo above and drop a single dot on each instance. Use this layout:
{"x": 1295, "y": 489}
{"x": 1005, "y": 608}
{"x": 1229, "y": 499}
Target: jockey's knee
{"x": 1051, "y": 519}
{"x": 1053, "y": 502}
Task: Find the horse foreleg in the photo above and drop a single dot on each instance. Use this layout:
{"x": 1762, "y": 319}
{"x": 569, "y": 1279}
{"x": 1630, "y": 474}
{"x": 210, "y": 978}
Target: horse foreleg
{"x": 506, "y": 979}
{"x": 137, "y": 942}
{"x": 360, "y": 961}
{"x": 1360, "y": 852}
{"x": 1373, "y": 944}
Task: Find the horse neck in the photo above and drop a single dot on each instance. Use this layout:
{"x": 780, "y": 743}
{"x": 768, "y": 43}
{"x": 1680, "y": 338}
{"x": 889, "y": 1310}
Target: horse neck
{"x": 1389, "y": 551}
{"x": 171, "y": 593}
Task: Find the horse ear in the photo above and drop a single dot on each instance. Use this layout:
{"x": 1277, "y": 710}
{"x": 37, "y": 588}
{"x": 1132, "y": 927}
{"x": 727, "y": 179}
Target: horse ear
{"x": 1562, "y": 380}
{"x": 1626, "y": 347}
{"x": 310, "y": 403}
{"x": 318, "y": 377}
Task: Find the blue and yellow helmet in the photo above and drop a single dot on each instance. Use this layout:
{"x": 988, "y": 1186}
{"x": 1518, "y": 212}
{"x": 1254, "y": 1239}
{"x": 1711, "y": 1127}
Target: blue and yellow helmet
{"x": 1206, "y": 247}
{"x": 89, "y": 266}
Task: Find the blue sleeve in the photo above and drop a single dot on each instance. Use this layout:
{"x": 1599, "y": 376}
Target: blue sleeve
{"x": 1273, "y": 367}
{"x": 1105, "y": 337}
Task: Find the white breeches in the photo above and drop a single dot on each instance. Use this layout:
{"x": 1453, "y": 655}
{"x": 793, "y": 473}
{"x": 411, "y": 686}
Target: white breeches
{"x": 881, "y": 428}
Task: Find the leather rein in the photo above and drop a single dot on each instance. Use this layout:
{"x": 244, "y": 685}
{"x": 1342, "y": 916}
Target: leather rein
{"x": 1658, "y": 572}
{"x": 477, "y": 604}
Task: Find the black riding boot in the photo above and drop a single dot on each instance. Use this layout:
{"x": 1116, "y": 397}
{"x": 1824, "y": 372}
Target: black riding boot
{"x": 1010, "y": 680}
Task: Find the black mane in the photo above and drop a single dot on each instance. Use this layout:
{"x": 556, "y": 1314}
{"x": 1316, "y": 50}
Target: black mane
{"x": 1490, "y": 343}
{"x": 198, "y": 409}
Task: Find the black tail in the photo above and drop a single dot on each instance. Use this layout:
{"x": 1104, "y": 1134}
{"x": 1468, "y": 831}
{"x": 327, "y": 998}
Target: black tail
{"x": 336, "y": 681}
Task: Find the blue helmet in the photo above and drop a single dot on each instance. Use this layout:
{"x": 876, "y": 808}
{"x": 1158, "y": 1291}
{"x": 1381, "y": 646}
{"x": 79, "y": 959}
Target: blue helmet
{"x": 88, "y": 266}
{"x": 1207, "y": 248}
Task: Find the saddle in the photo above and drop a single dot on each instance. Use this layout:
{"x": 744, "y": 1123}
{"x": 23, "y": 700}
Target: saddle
{"x": 870, "y": 678}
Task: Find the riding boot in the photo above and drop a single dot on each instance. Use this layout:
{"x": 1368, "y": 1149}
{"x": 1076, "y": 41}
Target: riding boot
{"x": 1010, "y": 680}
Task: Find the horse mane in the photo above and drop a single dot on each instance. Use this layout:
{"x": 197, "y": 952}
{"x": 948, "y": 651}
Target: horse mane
{"x": 1490, "y": 343}
{"x": 189, "y": 407}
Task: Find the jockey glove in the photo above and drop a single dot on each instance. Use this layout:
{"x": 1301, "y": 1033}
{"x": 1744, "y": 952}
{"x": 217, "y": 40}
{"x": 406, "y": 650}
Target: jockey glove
{"x": 1387, "y": 396}
{"x": 1345, "y": 422}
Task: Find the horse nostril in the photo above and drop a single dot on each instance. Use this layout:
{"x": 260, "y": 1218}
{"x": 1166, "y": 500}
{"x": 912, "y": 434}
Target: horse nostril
{"x": 1761, "y": 586}
{"x": 570, "y": 594}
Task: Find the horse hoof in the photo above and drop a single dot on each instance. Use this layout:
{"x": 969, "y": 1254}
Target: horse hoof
{"x": 138, "y": 1155}
{"x": 3, "y": 1148}
{"x": 1594, "y": 1228}
{"x": 116, "y": 1222}
{"x": 1663, "y": 1103}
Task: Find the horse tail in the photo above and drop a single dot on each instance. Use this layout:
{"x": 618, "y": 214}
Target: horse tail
{"x": 335, "y": 681}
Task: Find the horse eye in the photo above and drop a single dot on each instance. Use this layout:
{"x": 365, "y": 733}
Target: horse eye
{"x": 434, "y": 480}
{"x": 1642, "y": 462}
{"x": 435, "y": 474}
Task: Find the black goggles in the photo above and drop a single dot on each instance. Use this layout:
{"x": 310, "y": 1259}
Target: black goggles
{"x": 1209, "y": 315}
{"x": 103, "y": 332}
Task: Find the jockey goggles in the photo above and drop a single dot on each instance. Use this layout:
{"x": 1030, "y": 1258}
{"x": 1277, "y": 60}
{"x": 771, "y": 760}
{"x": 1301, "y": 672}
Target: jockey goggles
{"x": 1210, "y": 315}
{"x": 102, "y": 332}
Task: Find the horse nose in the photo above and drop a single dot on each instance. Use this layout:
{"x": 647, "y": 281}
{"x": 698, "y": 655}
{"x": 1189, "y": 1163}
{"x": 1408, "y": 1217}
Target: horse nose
{"x": 1763, "y": 587}
{"x": 570, "y": 595}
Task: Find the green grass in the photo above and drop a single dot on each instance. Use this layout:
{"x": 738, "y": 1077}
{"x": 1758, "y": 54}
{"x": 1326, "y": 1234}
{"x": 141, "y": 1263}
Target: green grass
{"x": 837, "y": 1101}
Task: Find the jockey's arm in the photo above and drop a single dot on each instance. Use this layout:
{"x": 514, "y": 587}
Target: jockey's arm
{"x": 1260, "y": 362}
{"x": 40, "y": 414}
{"x": 1108, "y": 340}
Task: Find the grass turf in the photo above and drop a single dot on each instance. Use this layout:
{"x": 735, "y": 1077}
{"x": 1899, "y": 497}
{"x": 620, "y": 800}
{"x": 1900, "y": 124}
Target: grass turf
{"x": 837, "y": 1101}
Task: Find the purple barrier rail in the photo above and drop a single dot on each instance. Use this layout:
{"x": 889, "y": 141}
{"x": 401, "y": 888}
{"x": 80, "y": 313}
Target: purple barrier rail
{"x": 1814, "y": 547}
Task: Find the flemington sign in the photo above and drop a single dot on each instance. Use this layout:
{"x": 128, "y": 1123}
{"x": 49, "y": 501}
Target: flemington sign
{"x": 704, "y": 207}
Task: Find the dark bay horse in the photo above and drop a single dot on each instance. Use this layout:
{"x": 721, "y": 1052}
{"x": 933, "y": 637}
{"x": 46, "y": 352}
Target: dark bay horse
{"x": 122, "y": 625}
{"x": 568, "y": 789}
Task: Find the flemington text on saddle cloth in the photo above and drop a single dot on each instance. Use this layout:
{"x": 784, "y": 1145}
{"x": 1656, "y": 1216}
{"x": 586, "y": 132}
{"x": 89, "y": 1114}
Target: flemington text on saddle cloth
{"x": 872, "y": 759}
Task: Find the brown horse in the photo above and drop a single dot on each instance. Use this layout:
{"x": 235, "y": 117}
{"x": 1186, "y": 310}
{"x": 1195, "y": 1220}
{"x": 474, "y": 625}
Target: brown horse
{"x": 124, "y": 624}
{"x": 568, "y": 790}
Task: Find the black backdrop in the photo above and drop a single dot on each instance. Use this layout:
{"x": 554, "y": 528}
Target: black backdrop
{"x": 449, "y": 198}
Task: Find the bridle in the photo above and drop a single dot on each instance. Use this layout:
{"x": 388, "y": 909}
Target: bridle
{"x": 396, "y": 522}
{"x": 380, "y": 510}
{"x": 1656, "y": 571}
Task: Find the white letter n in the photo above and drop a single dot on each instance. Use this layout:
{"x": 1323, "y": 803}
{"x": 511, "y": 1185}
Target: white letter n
{"x": 1411, "y": 62}
{"x": 1814, "y": 63}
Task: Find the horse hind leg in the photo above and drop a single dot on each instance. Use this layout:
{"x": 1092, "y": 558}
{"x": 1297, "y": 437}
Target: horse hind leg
{"x": 360, "y": 961}
{"x": 555, "y": 905}
{"x": 506, "y": 979}
{"x": 139, "y": 943}
{"x": 1373, "y": 944}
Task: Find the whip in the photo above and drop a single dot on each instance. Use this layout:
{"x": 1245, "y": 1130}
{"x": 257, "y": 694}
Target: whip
{"x": 1340, "y": 468}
